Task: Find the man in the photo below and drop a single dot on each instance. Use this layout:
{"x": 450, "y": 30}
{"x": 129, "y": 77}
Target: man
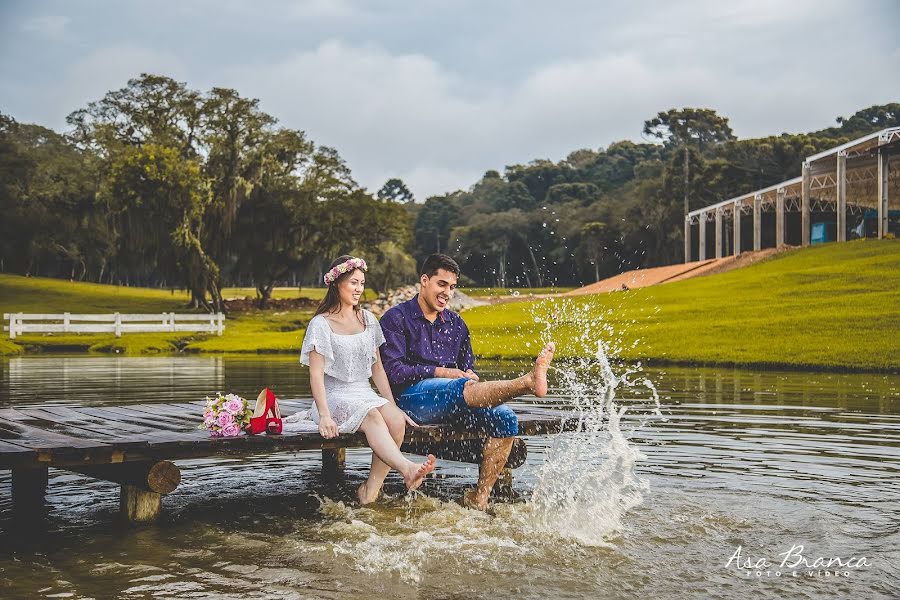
{"x": 429, "y": 363}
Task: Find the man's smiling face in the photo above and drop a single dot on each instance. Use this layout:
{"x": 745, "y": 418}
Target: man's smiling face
{"x": 437, "y": 290}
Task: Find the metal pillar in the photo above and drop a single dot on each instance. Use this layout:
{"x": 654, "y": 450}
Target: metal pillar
{"x": 841, "y": 177}
{"x": 702, "y": 235}
{"x": 883, "y": 167}
{"x": 719, "y": 232}
{"x": 779, "y": 217}
{"x": 687, "y": 239}
{"x": 737, "y": 228}
{"x": 804, "y": 206}
{"x": 757, "y": 223}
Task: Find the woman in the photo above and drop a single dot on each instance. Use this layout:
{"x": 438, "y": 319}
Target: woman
{"x": 341, "y": 349}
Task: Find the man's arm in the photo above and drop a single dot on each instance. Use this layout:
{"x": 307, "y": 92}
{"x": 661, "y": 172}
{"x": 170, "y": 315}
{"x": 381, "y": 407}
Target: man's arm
{"x": 399, "y": 369}
{"x": 466, "y": 359}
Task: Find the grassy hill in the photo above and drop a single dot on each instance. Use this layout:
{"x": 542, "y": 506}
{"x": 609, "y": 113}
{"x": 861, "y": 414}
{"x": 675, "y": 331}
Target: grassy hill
{"x": 830, "y": 306}
{"x": 834, "y": 306}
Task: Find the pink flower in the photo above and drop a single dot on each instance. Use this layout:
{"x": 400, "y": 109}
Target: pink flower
{"x": 234, "y": 406}
{"x": 231, "y": 430}
{"x": 210, "y": 419}
{"x": 225, "y": 419}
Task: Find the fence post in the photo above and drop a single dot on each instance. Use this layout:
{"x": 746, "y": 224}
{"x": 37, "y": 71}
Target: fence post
{"x": 118, "y": 325}
{"x": 171, "y": 321}
{"x": 65, "y": 322}
{"x": 12, "y": 326}
{"x": 221, "y": 319}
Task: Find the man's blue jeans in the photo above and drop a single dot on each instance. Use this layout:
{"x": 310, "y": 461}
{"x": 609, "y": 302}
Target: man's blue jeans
{"x": 436, "y": 401}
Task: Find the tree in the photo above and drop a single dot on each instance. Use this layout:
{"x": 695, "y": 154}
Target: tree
{"x": 276, "y": 230}
{"x": 396, "y": 191}
{"x": 686, "y": 128}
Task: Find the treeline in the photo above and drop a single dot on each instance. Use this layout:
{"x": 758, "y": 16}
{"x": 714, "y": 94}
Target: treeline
{"x": 157, "y": 184}
{"x": 600, "y": 212}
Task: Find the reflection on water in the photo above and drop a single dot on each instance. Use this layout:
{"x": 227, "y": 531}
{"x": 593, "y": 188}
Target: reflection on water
{"x": 763, "y": 460}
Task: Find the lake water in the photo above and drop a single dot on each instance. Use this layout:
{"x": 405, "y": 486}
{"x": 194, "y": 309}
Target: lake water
{"x": 761, "y": 461}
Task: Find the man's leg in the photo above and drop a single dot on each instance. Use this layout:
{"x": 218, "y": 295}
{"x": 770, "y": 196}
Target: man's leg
{"x": 484, "y": 394}
{"x": 502, "y": 425}
{"x": 496, "y": 452}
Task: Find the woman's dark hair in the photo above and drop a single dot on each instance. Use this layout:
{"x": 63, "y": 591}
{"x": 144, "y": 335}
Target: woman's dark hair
{"x": 439, "y": 261}
{"x": 331, "y": 303}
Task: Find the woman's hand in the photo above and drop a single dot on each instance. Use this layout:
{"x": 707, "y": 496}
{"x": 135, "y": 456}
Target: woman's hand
{"x": 327, "y": 427}
{"x": 409, "y": 420}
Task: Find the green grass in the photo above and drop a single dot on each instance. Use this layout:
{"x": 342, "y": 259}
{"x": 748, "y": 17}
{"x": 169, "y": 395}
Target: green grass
{"x": 835, "y": 306}
{"x": 269, "y": 331}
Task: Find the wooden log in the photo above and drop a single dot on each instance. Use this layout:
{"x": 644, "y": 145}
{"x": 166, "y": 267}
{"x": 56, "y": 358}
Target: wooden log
{"x": 333, "y": 460}
{"x": 160, "y": 477}
{"x": 28, "y": 487}
{"x": 139, "y": 506}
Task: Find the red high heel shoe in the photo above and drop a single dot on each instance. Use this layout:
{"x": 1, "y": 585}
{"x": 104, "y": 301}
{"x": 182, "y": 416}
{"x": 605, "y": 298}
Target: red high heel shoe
{"x": 260, "y": 421}
{"x": 274, "y": 423}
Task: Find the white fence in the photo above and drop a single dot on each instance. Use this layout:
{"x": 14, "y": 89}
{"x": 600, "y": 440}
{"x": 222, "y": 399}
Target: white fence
{"x": 116, "y": 323}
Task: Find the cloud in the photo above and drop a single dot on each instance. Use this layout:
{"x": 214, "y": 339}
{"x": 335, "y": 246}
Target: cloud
{"x": 110, "y": 68}
{"x": 50, "y": 26}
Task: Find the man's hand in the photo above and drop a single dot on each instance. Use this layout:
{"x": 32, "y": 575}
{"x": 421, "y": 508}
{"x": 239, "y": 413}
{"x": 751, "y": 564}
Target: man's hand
{"x": 455, "y": 373}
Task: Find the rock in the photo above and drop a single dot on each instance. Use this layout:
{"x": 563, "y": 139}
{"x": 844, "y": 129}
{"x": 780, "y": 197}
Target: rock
{"x": 383, "y": 302}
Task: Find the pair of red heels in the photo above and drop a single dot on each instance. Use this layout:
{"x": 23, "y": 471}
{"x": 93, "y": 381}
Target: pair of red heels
{"x": 266, "y": 405}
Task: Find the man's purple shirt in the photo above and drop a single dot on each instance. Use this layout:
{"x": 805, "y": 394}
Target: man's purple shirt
{"x": 414, "y": 346}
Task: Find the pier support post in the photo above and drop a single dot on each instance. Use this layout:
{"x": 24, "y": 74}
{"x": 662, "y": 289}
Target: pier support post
{"x": 737, "y": 228}
{"x": 333, "y": 460}
{"x": 757, "y": 223}
{"x": 719, "y": 232}
{"x": 882, "y": 187}
{"x": 138, "y": 505}
{"x": 779, "y": 217}
{"x": 841, "y": 177}
{"x": 804, "y": 206}
{"x": 29, "y": 487}
{"x": 702, "y": 236}
{"x": 687, "y": 238}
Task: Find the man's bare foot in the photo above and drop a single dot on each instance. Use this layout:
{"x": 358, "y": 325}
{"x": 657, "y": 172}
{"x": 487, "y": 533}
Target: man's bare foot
{"x": 538, "y": 375}
{"x": 365, "y": 496}
{"x": 471, "y": 499}
{"x": 415, "y": 478}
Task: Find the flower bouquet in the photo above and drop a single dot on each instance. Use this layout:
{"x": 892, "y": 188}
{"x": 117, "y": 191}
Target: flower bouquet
{"x": 225, "y": 415}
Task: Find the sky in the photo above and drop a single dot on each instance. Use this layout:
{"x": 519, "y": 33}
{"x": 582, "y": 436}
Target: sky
{"x": 438, "y": 92}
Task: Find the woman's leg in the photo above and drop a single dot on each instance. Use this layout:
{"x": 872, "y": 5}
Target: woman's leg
{"x": 384, "y": 446}
{"x": 396, "y": 424}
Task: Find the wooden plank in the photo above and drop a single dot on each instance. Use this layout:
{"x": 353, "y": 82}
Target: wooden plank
{"x": 34, "y": 433}
{"x": 93, "y": 427}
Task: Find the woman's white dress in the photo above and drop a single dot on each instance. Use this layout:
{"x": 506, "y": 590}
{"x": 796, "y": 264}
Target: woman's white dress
{"x": 348, "y": 367}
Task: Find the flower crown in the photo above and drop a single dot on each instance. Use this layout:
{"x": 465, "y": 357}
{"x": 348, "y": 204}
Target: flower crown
{"x": 344, "y": 267}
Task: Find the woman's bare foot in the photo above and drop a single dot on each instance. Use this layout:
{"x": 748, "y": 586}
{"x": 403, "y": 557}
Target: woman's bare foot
{"x": 417, "y": 475}
{"x": 365, "y": 496}
{"x": 538, "y": 375}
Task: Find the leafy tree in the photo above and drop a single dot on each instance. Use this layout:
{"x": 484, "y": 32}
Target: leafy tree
{"x": 396, "y": 191}
{"x": 699, "y": 128}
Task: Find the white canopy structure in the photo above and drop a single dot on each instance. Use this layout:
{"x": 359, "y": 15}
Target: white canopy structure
{"x": 846, "y": 179}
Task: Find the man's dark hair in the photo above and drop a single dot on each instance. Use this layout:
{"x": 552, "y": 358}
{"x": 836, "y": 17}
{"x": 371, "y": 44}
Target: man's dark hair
{"x": 439, "y": 261}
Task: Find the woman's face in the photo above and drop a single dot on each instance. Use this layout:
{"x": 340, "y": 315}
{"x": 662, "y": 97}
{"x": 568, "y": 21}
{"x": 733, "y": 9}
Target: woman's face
{"x": 350, "y": 290}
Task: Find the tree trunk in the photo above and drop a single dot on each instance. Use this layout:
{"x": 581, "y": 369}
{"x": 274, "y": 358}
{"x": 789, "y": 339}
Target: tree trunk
{"x": 537, "y": 270}
{"x": 264, "y": 291}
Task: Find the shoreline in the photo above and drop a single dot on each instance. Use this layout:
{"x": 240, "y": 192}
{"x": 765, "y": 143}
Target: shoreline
{"x": 649, "y": 361}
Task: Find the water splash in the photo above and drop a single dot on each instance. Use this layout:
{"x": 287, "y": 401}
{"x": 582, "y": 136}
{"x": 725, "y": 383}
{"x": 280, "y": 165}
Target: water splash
{"x": 583, "y": 491}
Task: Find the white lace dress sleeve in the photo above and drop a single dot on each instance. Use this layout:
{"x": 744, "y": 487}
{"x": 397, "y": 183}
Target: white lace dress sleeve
{"x": 318, "y": 338}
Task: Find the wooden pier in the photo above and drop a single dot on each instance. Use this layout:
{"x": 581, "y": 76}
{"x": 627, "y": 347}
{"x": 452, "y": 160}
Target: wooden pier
{"x": 134, "y": 445}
